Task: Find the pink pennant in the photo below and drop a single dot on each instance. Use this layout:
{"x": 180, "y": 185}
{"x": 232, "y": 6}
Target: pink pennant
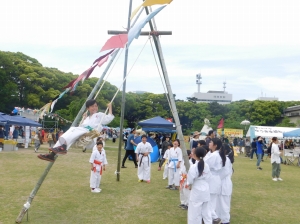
{"x": 117, "y": 41}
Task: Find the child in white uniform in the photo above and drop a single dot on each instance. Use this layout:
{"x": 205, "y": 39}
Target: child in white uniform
{"x": 184, "y": 188}
{"x": 143, "y": 151}
{"x": 215, "y": 163}
{"x": 175, "y": 159}
{"x": 223, "y": 201}
{"x": 166, "y": 162}
{"x": 198, "y": 175}
{"x": 91, "y": 122}
{"x": 98, "y": 162}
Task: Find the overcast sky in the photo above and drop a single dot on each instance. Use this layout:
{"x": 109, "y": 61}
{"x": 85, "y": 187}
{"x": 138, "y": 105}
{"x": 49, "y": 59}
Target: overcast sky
{"x": 253, "y": 45}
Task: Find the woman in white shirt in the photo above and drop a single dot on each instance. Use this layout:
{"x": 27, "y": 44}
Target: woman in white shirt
{"x": 275, "y": 160}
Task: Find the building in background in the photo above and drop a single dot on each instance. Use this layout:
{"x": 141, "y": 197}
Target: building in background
{"x": 293, "y": 113}
{"x": 221, "y": 97}
{"x": 265, "y": 98}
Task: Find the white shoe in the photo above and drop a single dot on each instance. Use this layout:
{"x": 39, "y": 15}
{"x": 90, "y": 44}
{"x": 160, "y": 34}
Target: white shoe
{"x": 164, "y": 178}
{"x": 98, "y": 189}
{"x": 274, "y": 179}
{"x": 95, "y": 191}
{"x": 279, "y": 179}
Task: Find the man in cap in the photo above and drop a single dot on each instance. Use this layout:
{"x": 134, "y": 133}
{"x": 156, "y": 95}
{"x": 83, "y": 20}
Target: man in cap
{"x": 194, "y": 141}
{"x": 130, "y": 149}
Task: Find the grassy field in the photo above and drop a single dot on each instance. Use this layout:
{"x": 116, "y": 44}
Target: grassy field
{"x": 65, "y": 195}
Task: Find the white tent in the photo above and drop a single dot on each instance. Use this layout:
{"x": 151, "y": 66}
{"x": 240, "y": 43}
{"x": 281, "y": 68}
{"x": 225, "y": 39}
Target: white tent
{"x": 267, "y": 131}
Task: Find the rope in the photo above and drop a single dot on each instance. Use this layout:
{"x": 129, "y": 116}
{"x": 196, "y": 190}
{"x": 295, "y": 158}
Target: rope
{"x": 161, "y": 77}
{"x": 103, "y": 82}
{"x": 123, "y": 81}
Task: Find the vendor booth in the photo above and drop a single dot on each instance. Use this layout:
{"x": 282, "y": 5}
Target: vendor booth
{"x": 267, "y": 131}
{"x": 10, "y": 122}
{"x": 157, "y": 124}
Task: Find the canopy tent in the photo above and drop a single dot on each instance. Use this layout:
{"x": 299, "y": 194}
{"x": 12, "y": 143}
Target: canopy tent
{"x": 157, "y": 124}
{"x": 267, "y": 131}
{"x": 294, "y": 133}
{"x": 18, "y": 120}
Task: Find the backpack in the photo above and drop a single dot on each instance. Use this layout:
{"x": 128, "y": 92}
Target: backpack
{"x": 49, "y": 137}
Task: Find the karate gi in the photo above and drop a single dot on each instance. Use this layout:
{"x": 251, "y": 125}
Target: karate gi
{"x": 98, "y": 161}
{"x": 214, "y": 162}
{"x": 175, "y": 156}
{"x": 165, "y": 164}
{"x": 144, "y": 161}
{"x": 70, "y": 136}
{"x": 199, "y": 196}
{"x": 184, "y": 191}
{"x": 223, "y": 202}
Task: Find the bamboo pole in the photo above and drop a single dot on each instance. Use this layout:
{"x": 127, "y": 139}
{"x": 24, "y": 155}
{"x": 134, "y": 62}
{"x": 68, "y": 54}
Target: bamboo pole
{"x": 171, "y": 96}
{"x": 123, "y": 98}
{"x": 27, "y": 205}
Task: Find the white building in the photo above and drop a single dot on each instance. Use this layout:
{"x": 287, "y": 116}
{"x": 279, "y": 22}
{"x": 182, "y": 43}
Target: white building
{"x": 268, "y": 98}
{"x": 220, "y": 97}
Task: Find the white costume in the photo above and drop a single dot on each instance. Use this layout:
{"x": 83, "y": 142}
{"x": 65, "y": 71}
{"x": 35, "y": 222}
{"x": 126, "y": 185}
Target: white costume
{"x": 184, "y": 189}
{"x": 103, "y": 150}
{"x": 175, "y": 156}
{"x": 165, "y": 165}
{"x": 98, "y": 160}
{"x": 223, "y": 203}
{"x": 70, "y": 136}
{"x": 200, "y": 195}
{"x": 214, "y": 162}
{"x": 144, "y": 161}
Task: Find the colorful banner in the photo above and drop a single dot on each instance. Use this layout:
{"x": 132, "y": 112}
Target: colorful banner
{"x": 231, "y": 132}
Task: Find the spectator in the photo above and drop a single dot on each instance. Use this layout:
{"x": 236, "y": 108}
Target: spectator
{"x": 164, "y": 147}
{"x": 16, "y": 133}
{"x": 130, "y": 149}
{"x": 259, "y": 151}
{"x": 194, "y": 141}
{"x": 209, "y": 137}
{"x": 275, "y": 160}
{"x": 253, "y": 146}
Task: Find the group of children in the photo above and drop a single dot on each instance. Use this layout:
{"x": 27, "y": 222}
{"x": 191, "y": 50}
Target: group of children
{"x": 205, "y": 191}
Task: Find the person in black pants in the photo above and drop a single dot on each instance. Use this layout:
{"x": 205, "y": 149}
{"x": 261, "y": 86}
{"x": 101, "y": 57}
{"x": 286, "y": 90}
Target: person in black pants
{"x": 129, "y": 149}
{"x": 164, "y": 147}
{"x": 253, "y": 146}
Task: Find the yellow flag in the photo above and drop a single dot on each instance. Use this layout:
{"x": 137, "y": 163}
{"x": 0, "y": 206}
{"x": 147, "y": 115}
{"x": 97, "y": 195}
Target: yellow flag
{"x": 156, "y": 2}
{"x": 149, "y": 3}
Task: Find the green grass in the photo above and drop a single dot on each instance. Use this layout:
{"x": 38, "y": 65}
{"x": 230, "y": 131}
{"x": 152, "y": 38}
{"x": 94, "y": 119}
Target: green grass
{"x": 65, "y": 195}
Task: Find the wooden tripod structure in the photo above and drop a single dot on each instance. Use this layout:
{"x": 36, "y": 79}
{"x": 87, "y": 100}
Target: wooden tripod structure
{"x": 155, "y": 34}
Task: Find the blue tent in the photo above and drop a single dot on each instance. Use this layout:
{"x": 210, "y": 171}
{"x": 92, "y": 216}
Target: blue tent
{"x": 155, "y": 154}
{"x": 157, "y": 124}
{"x": 294, "y": 133}
{"x": 18, "y": 120}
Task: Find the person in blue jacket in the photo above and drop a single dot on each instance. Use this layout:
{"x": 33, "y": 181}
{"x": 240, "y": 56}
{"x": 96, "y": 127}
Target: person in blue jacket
{"x": 259, "y": 151}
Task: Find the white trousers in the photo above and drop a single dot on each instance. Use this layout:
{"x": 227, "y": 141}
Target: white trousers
{"x": 212, "y": 205}
{"x": 144, "y": 169}
{"x": 95, "y": 179}
{"x": 166, "y": 170}
{"x": 70, "y": 136}
{"x": 184, "y": 196}
{"x": 173, "y": 177}
{"x": 223, "y": 208}
{"x": 198, "y": 211}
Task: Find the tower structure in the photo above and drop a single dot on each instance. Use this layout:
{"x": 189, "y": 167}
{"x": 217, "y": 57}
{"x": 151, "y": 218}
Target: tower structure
{"x": 198, "y": 81}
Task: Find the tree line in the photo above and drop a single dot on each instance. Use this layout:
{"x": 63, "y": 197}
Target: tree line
{"x": 25, "y": 82}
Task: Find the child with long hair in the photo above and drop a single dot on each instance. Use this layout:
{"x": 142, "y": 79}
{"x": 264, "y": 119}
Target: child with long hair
{"x": 198, "y": 175}
{"x": 223, "y": 201}
{"x": 215, "y": 161}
